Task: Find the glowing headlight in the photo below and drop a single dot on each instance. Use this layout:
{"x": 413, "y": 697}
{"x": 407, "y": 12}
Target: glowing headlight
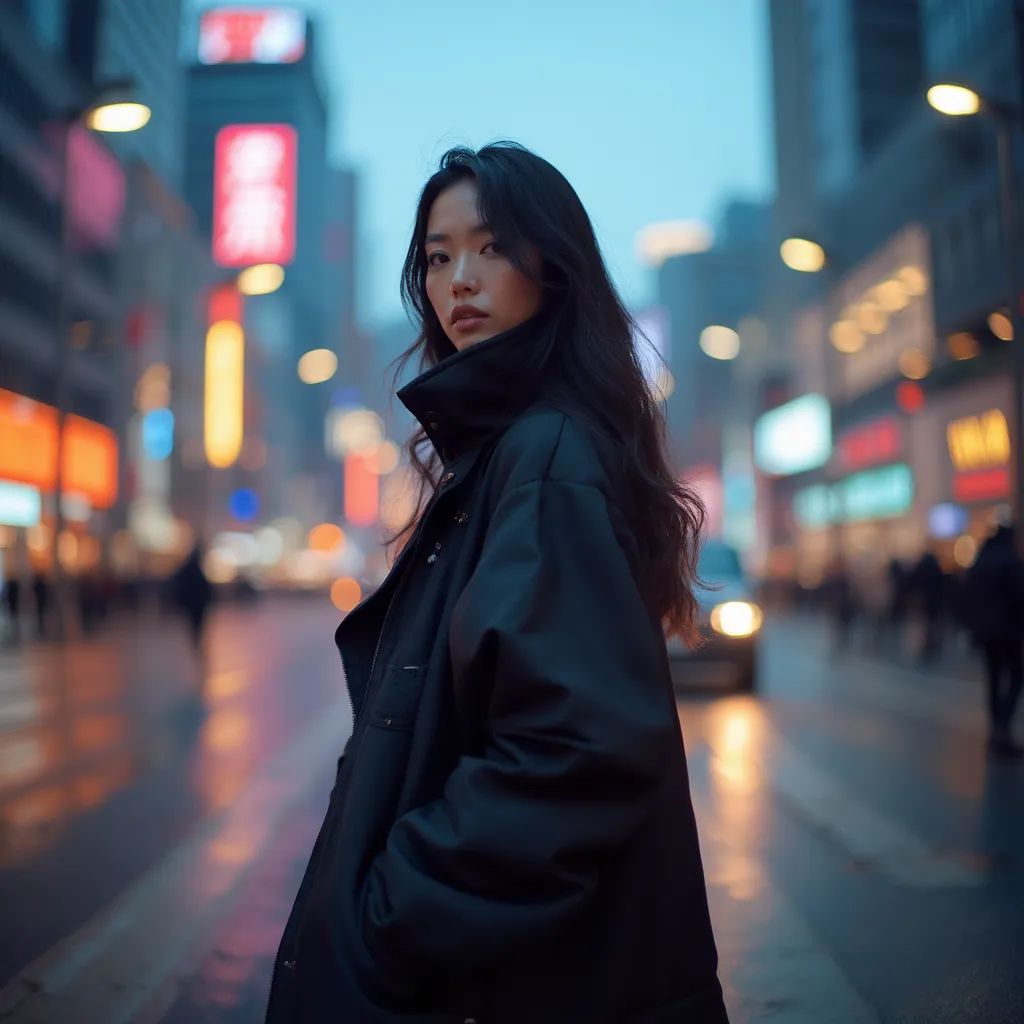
{"x": 736, "y": 618}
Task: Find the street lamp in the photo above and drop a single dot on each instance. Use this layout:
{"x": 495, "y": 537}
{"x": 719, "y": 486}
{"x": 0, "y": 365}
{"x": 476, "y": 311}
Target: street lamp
{"x": 110, "y": 108}
{"x": 958, "y": 100}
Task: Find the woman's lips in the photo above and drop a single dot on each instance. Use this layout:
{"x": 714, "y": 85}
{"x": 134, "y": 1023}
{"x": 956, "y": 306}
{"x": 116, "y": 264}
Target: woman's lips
{"x": 465, "y": 324}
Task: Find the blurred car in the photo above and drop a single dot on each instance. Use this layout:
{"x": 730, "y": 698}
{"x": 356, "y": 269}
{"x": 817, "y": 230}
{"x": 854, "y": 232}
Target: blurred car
{"x": 730, "y": 621}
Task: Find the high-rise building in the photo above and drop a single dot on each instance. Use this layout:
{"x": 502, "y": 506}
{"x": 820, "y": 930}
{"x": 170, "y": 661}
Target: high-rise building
{"x": 715, "y": 289}
{"x": 46, "y": 369}
{"x": 902, "y": 328}
{"x": 139, "y": 41}
{"x": 256, "y": 114}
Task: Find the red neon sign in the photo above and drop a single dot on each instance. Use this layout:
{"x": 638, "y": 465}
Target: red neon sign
{"x": 254, "y": 195}
{"x": 252, "y": 35}
{"x": 871, "y": 444}
{"x": 982, "y": 485}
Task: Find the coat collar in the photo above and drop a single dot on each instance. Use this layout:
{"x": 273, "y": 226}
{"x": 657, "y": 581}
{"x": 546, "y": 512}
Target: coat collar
{"x": 474, "y": 393}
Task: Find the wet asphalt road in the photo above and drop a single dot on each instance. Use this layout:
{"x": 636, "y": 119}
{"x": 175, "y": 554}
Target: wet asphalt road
{"x": 865, "y": 861}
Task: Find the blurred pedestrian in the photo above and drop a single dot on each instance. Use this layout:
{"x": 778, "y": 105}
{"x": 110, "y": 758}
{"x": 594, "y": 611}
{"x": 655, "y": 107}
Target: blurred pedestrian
{"x": 927, "y": 588}
{"x": 41, "y": 596}
{"x": 841, "y": 601}
{"x": 995, "y": 596}
{"x": 191, "y": 593}
{"x": 511, "y": 836}
{"x": 896, "y": 612}
{"x": 12, "y": 602}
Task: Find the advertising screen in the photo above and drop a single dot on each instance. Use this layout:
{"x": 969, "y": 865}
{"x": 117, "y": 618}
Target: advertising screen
{"x": 254, "y": 195}
{"x": 794, "y": 437}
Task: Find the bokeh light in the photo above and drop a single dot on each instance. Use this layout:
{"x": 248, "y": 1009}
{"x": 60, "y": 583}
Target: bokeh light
{"x": 720, "y": 342}
{"x": 317, "y": 365}
{"x": 346, "y": 593}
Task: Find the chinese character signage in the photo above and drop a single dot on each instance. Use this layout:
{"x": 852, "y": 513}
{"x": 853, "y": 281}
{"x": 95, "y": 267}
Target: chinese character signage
{"x": 252, "y": 35}
{"x": 254, "y": 195}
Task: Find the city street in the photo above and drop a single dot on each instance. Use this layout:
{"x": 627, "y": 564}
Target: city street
{"x": 862, "y": 856}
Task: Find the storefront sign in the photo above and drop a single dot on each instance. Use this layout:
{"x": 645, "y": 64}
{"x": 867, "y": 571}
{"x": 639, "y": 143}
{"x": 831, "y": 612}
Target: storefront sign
{"x": 795, "y": 437}
{"x": 254, "y": 195}
{"x": 870, "y": 444}
{"x": 261, "y": 35}
{"x": 873, "y": 494}
{"x": 977, "y": 442}
{"x": 877, "y": 493}
{"x": 28, "y": 450}
{"x": 982, "y": 484}
{"x": 20, "y": 505}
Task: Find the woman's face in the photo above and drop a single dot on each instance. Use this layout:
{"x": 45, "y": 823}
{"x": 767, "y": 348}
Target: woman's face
{"x": 475, "y": 290}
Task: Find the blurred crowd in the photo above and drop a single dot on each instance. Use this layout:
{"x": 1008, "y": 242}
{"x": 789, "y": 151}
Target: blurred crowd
{"x": 927, "y": 612}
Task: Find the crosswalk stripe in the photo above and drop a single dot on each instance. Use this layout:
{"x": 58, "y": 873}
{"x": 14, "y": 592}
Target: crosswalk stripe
{"x": 108, "y": 969}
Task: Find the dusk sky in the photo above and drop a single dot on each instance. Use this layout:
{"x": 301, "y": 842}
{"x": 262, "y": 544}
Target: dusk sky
{"x": 654, "y": 110}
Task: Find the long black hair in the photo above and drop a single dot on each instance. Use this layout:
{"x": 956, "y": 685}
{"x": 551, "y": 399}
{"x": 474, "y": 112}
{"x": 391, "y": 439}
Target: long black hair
{"x": 527, "y": 203}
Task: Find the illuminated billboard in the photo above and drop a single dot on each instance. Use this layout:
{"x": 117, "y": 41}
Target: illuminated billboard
{"x": 252, "y": 35}
{"x": 254, "y": 195}
{"x": 884, "y": 493}
{"x": 224, "y": 392}
{"x": 794, "y": 437}
{"x": 28, "y": 450}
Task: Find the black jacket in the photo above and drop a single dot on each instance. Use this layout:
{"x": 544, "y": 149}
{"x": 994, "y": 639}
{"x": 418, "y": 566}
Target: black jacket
{"x": 510, "y": 837}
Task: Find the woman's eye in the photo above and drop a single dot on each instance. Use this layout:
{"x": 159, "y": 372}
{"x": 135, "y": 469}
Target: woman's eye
{"x": 493, "y": 246}
{"x": 432, "y": 261}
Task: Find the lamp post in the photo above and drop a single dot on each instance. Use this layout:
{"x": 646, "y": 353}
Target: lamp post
{"x": 955, "y": 100}
{"x": 109, "y": 109}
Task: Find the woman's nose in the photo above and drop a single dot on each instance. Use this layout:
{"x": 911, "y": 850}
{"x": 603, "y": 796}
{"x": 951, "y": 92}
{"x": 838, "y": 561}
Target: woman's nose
{"x": 463, "y": 277}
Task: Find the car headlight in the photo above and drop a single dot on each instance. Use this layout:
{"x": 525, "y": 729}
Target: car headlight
{"x": 736, "y": 618}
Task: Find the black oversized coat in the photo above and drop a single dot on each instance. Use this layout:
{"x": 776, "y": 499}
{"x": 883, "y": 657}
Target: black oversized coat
{"x": 510, "y": 838}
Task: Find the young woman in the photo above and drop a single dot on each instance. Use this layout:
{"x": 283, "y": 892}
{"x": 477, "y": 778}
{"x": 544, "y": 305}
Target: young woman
{"x": 510, "y": 838}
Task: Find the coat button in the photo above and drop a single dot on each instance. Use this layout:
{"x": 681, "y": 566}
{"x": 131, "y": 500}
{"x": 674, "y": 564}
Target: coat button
{"x": 289, "y": 964}
{"x": 461, "y": 517}
{"x": 434, "y": 425}
{"x": 447, "y": 478}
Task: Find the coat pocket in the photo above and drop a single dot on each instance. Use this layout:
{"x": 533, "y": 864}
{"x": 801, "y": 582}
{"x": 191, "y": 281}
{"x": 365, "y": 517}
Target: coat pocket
{"x": 398, "y": 698}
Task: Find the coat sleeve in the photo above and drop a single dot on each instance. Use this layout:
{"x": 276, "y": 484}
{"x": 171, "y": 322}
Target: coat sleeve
{"x": 580, "y": 733}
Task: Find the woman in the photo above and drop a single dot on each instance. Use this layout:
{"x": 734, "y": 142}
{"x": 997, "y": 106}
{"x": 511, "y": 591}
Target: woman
{"x": 510, "y": 836}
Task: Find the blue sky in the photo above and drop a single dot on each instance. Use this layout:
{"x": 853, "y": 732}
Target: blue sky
{"x": 653, "y": 109}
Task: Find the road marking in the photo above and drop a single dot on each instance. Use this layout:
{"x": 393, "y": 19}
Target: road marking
{"x": 108, "y": 969}
{"x": 747, "y": 748}
{"x": 772, "y": 965}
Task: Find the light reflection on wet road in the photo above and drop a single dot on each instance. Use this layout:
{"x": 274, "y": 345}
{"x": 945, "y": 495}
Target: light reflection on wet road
{"x": 848, "y": 816}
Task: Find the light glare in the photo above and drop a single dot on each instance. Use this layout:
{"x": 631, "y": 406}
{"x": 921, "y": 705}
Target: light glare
{"x": 318, "y": 365}
{"x": 720, "y": 342}
{"x": 1000, "y": 325}
{"x": 736, "y": 618}
{"x": 802, "y": 254}
{"x": 118, "y": 117}
{"x": 954, "y": 100}
{"x": 261, "y": 279}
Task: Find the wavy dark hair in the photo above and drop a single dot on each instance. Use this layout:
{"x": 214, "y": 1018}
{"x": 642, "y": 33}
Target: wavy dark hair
{"x": 590, "y": 363}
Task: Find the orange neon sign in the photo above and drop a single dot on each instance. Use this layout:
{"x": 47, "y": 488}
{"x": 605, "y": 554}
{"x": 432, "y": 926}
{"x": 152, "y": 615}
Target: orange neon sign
{"x": 977, "y": 442}
{"x": 28, "y": 450}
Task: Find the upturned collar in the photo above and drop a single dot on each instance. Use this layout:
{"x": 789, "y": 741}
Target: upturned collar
{"x": 478, "y": 391}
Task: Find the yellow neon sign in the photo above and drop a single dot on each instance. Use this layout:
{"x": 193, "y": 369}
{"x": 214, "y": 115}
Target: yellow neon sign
{"x": 225, "y": 385}
{"x": 979, "y": 441}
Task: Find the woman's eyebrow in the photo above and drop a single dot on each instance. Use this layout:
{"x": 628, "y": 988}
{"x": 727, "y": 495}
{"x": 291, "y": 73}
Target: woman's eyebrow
{"x": 441, "y": 236}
